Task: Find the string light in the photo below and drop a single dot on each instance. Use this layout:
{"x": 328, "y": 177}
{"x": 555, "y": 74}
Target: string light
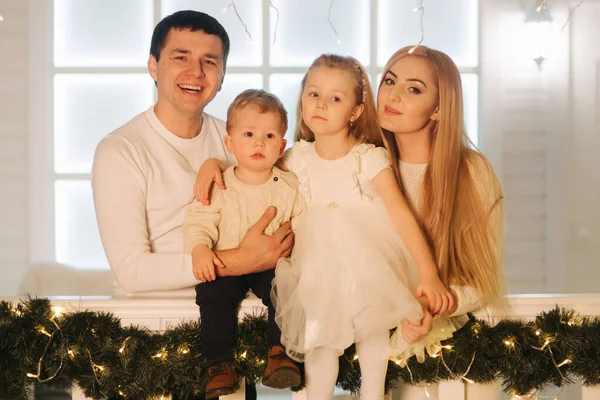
{"x": 1, "y": 18}
{"x": 122, "y": 349}
{"x": 571, "y": 15}
{"x": 232, "y": 4}
{"x": 421, "y": 8}
{"x": 43, "y": 331}
{"x": 456, "y": 376}
{"x": 276, "y": 21}
{"x": 57, "y": 311}
{"x": 541, "y": 6}
{"x": 355, "y": 357}
{"x": 243, "y": 355}
{"x": 331, "y": 23}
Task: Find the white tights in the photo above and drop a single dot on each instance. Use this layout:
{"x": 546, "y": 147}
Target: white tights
{"x": 321, "y": 369}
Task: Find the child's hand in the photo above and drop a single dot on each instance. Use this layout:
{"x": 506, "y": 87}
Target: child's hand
{"x": 440, "y": 298}
{"x": 203, "y": 263}
{"x": 210, "y": 171}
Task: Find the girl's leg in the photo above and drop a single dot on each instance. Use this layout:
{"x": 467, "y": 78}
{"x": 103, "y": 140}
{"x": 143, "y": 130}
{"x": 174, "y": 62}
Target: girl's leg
{"x": 406, "y": 392}
{"x": 372, "y": 356}
{"x": 321, "y": 371}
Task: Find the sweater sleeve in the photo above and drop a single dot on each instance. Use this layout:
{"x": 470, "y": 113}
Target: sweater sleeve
{"x": 119, "y": 185}
{"x": 467, "y": 298}
{"x": 201, "y": 222}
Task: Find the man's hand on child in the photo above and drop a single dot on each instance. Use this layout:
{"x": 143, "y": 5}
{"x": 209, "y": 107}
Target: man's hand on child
{"x": 211, "y": 171}
{"x": 440, "y": 298}
{"x": 262, "y": 250}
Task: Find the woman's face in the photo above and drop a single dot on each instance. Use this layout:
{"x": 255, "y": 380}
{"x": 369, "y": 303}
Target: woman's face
{"x": 407, "y": 101}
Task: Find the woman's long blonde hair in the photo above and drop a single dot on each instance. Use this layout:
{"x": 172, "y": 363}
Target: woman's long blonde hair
{"x": 462, "y": 199}
{"x": 366, "y": 128}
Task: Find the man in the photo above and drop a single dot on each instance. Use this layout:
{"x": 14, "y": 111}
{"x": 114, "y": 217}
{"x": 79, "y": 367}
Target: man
{"x": 143, "y": 176}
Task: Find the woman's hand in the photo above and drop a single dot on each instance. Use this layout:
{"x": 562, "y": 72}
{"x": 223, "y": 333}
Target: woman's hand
{"x": 210, "y": 171}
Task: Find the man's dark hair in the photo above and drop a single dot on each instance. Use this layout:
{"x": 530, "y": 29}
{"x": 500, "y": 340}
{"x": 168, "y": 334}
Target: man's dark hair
{"x": 192, "y": 20}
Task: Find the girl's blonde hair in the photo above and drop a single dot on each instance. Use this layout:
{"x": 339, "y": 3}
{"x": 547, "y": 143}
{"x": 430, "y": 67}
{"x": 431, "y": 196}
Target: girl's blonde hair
{"x": 366, "y": 128}
{"x": 462, "y": 198}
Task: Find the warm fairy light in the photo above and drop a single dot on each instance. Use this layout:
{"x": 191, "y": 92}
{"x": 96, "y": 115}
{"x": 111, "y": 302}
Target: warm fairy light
{"x": 355, "y": 357}
{"x": 29, "y": 375}
{"x": 566, "y": 361}
{"x": 468, "y": 380}
{"x": 71, "y": 353}
{"x": 538, "y": 332}
{"x": 57, "y": 311}
{"x": 243, "y": 355}
{"x": 448, "y": 347}
{"x": 43, "y": 331}
{"x": 541, "y": 6}
{"x": 157, "y": 355}
{"x": 436, "y": 355}
{"x": 226, "y": 8}
{"x": 1, "y": 18}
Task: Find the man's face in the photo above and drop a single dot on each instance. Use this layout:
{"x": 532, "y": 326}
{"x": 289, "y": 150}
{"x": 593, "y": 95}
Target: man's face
{"x": 189, "y": 73}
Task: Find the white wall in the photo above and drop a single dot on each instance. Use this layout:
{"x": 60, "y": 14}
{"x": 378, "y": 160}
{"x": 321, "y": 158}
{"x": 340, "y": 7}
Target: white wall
{"x": 583, "y": 216}
{"x": 14, "y": 162}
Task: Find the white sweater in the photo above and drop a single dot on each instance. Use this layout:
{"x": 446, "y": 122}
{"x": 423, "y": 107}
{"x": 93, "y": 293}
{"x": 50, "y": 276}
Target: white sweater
{"x": 142, "y": 181}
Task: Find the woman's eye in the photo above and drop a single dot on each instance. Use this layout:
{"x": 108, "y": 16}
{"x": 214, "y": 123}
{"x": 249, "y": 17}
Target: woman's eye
{"x": 389, "y": 81}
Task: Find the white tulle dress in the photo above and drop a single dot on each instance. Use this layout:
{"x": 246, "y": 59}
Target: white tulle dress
{"x": 350, "y": 274}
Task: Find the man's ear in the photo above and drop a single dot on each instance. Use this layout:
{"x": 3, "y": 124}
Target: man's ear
{"x": 228, "y": 144}
{"x": 152, "y": 68}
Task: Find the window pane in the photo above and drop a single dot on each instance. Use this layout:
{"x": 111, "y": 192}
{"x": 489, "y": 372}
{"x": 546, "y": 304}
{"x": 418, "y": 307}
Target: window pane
{"x": 77, "y": 238}
{"x": 233, "y": 85}
{"x": 470, "y": 83}
{"x": 399, "y": 26}
{"x": 89, "y": 106}
{"x": 102, "y": 32}
{"x": 287, "y": 88}
{"x": 244, "y": 51}
{"x": 304, "y": 33}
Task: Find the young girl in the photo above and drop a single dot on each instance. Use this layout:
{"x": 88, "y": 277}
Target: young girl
{"x": 450, "y": 185}
{"x": 351, "y": 276}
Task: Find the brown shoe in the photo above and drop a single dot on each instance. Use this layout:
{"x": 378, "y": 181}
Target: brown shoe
{"x": 222, "y": 380}
{"x": 281, "y": 372}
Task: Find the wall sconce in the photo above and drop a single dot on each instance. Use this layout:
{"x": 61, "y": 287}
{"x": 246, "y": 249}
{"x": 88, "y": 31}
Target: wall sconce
{"x": 537, "y": 22}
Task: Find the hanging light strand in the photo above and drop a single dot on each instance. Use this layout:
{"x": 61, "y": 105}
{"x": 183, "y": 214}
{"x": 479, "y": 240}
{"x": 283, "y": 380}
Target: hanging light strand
{"x": 570, "y": 16}
{"x": 420, "y": 9}
{"x": 276, "y": 21}
{"x": 232, "y": 4}
{"x": 337, "y": 36}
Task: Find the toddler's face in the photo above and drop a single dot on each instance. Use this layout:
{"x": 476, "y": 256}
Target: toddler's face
{"x": 255, "y": 138}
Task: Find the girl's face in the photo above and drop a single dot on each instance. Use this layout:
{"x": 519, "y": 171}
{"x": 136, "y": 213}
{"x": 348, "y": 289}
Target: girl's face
{"x": 329, "y": 101}
{"x": 407, "y": 101}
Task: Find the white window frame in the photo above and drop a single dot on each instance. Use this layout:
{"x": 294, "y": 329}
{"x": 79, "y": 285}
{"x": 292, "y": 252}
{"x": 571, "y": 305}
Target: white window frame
{"x": 41, "y": 106}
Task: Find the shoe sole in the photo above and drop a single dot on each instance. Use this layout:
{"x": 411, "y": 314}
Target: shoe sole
{"x": 215, "y": 393}
{"x": 282, "y": 378}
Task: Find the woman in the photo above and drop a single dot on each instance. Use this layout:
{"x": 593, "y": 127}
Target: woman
{"x": 449, "y": 184}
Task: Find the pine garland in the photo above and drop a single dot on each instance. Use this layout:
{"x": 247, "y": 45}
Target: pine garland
{"x": 109, "y": 361}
